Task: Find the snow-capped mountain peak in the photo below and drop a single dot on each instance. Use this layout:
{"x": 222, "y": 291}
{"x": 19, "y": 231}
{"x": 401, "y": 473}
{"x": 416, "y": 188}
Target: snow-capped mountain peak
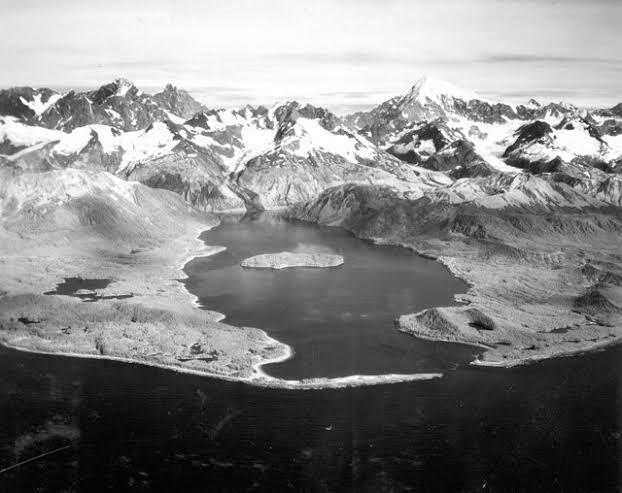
{"x": 123, "y": 86}
{"x": 427, "y": 89}
{"x": 119, "y": 87}
{"x": 534, "y": 104}
{"x": 178, "y": 102}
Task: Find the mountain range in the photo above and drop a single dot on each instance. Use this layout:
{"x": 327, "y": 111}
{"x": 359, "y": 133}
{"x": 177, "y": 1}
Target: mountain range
{"x": 435, "y": 135}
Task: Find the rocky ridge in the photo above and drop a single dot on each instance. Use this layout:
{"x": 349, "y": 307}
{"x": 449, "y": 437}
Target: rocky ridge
{"x": 260, "y": 158}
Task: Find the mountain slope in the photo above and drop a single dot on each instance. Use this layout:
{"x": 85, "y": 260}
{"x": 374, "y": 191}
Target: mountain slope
{"x": 218, "y": 159}
{"x": 418, "y": 126}
{"x": 89, "y": 203}
{"x": 255, "y": 157}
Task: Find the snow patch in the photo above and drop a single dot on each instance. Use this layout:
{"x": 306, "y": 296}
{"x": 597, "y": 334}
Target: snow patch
{"x": 37, "y": 105}
{"x": 142, "y": 145}
{"x": 615, "y": 146}
{"x": 123, "y": 86}
{"x": 76, "y": 140}
{"x": 20, "y": 134}
{"x": 174, "y": 118}
{"x": 114, "y": 114}
{"x": 257, "y": 140}
{"x": 427, "y": 146}
{"x": 576, "y": 142}
{"x": 490, "y": 139}
{"x": 310, "y": 136}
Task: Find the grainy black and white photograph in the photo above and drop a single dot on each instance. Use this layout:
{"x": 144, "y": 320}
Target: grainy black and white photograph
{"x": 311, "y": 246}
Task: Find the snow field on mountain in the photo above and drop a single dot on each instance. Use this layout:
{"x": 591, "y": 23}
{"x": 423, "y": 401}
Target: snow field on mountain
{"x": 146, "y": 144}
{"x": 19, "y": 134}
{"x": 436, "y": 90}
{"x": 310, "y": 135}
{"x": 615, "y": 146}
{"x": 75, "y": 141}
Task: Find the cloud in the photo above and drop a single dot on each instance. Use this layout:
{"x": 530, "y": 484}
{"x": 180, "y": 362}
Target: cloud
{"x": 536, "y": 58}
{"x": 350, "y": 94}
{"x": 548, "y": 93}
{"x": 541, "y": 93}
{"x": 347, "y": 57}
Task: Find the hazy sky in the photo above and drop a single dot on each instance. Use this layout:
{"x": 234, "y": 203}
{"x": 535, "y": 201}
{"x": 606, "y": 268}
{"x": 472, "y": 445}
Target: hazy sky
{"x": 344, "y": 54}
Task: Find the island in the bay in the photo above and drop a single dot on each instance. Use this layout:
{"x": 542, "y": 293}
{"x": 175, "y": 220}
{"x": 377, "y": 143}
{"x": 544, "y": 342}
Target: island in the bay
{"x": 113, "y": 186}
{"x": 284, "y": 260}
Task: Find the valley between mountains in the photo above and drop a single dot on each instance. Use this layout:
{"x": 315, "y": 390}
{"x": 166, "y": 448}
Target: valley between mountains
{"x": 524, "y": 202}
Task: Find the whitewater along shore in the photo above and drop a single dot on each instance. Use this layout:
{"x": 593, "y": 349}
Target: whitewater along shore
{"x": 544, "y": 282}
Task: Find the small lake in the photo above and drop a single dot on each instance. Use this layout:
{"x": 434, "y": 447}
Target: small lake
{"x": 85, "y": 289}
{"x": 339, "y": 320}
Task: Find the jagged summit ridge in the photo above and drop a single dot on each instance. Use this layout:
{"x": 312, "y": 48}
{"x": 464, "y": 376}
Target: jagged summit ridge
{"x": 118, "y": 103}
{"x": 271, "y": 157}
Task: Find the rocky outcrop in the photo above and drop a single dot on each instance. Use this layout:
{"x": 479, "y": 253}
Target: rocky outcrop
{"x": 25, "y": 102}
{"x": 193, "y": 173}
{"x": 436, "y": 146}
{"x": 423, "y": 139}
{"x": 574, "y": 148}
{"x": 178, "y": 102}
{"x": 119, "y": 103}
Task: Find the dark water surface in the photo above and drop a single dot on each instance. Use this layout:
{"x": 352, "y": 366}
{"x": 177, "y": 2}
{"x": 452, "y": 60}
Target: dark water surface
{"x": 553, "y": 426}
{"x": 340, "y": 321}
{"x": 71, "y": 285}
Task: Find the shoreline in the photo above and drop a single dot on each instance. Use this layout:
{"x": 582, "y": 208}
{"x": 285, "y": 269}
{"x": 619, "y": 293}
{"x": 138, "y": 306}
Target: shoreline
{"x": 523, "y": 361}
{"x": 599, "y": 346}
{"x": 255, "y": 374}
{"x": 261, "y": 379}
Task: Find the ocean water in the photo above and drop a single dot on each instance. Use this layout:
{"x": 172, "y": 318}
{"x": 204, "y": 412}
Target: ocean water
{"x": 551, "y": 426}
